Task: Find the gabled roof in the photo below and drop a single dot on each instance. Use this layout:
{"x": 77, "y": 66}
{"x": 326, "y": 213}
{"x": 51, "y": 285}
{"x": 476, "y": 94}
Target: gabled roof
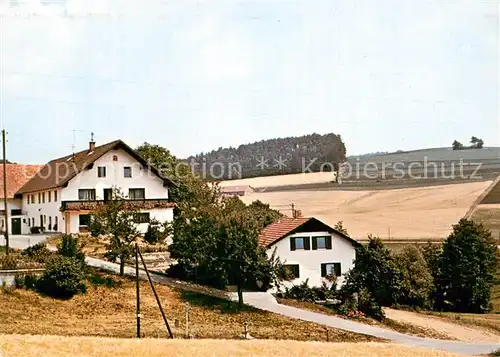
{"x": 16, "y": 176}
{"x": 287, "y": 225}
{"x": 60, "y": 171}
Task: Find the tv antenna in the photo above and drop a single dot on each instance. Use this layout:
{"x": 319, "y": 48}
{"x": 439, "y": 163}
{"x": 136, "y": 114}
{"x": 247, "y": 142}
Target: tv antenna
{"x": 73, "y": 145}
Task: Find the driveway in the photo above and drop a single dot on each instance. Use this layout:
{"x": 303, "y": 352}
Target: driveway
{"x": 23, "y": 241}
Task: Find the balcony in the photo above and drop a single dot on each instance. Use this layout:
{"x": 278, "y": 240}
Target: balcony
{"x": 144, "y": 204}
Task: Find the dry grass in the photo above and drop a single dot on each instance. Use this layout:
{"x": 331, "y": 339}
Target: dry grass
{"x": 110, "y": 312}
{"x": 490, "y": 322}
{"x": 402, "y": 327}
{"x": 408, "y": 213}
{"x": 54, "y": 346}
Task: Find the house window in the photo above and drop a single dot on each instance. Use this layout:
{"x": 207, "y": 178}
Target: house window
{"x": 50, "y": 195}
{"x": 86, "y": 194}
{"x": 50, "y": 222}
{"x": 115, "y": 157}
{"x": 43, "y": 197}
{"x": 330, "y": 269}
{"x": 292, "y": 270}
{"x": 136, "y": 193}
{"x": 16, "y": 212}
{"x": 101, "y": 171}
{"x": 55, "y": 196}
{"x": 56, "y": 220}
{"x": 33, "y": 221}
{"x": 28, "y": 199}
{"x": 127, "y": 171}
{"x": 297, "y": 243}
{"x": 39, "y": 197}
{"x": 141, "y": 217}
{"x": 322, "y": 242}
{"x": 84, "y": 220}
{"x": 32, "y": 198}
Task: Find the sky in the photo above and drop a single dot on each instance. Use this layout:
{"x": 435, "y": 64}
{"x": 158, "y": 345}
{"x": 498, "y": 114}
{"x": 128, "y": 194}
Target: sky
{"x": 197, "y": 75}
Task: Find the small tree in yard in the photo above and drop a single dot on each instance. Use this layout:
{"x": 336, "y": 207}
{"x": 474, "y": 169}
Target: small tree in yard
{"x": 417, "y": 283}
{"x": 157, "y": 232}
{"x": 117, "y": 219}
{"x": 467, "y": 268}
{"x": 63, "y": 277}
{"x": 339, "y": 227}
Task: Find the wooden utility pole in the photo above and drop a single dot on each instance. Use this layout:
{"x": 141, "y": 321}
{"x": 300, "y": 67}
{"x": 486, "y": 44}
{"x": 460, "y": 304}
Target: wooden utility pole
{"x": 6, "y": 215}
{"x": 137, "y": 292}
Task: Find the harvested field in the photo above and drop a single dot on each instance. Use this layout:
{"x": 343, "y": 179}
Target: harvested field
{"x": 108, "y": 310}
{"x": 410, "y": 213}
{"x": 54, "y": 346}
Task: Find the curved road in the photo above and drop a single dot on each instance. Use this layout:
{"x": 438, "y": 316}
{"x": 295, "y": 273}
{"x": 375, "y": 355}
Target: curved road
{"x": 267, "y": 302}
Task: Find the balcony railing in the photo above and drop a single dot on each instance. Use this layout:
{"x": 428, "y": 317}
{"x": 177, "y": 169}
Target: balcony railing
{"x": 127, "y": 204}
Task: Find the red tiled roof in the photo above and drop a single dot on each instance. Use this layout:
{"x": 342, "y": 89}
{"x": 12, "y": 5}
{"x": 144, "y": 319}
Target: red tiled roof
{"x": 279, "y": 229}
{"x": 17, "y": 176}
{"x": 59, "y": 171}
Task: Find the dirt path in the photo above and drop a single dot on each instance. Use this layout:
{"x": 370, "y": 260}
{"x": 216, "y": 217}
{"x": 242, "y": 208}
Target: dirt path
{"x": 460, "y": 332}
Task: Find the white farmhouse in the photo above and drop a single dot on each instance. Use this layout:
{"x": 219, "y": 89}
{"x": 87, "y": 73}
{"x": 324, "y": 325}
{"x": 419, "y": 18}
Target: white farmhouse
{"x": 310, "y": 249}
{"x": 16, "y": 176}
{"x": 63, "y": 194}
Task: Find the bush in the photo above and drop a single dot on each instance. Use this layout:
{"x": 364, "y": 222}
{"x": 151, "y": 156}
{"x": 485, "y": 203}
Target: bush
{"x": 63, "y": 278}
{"x": 37, "y": 252}
{"x": 304, "y": 292}
{"x": 26, "y": 281}
{"x": 8, "y": 262}
{"x": 369, "y": 306}
{"x": 35, "y": 230}
{"x": 71, "y": 248}
{"x": 156, "y": 233}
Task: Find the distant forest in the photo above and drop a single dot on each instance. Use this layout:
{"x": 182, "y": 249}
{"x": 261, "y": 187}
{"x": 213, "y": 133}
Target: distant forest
{"x": 311, "y": 153}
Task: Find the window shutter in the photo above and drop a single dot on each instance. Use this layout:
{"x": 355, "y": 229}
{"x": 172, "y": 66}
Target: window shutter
{"x": 337, "y": 269}
{"x": 297, "y": 272}
{"x": 315, "y": 243}
{"x": 292, "y": 243}
{"x": 323, "y": 270}
{"x": 329, "y": 242}
{"x": 307, "y": 243}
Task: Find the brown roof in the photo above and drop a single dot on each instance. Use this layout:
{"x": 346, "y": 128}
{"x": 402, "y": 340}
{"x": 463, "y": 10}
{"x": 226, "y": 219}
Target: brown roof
{"x": 16, "y": 176}
{"x": 287, "y": 225}
{"x": 58, "y": 172}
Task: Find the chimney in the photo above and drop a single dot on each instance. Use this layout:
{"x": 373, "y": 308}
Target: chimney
{"x": 91, "y": 142}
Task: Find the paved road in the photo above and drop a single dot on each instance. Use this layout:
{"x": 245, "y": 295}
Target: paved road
{"x": 265, "y": 301}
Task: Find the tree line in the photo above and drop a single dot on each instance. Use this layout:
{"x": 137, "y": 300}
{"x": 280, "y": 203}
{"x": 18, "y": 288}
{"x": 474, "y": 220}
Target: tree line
{"x": 272, "y": 157}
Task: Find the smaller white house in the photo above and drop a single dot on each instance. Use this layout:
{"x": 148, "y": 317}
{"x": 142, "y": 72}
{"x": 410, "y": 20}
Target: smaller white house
{"x": 310, "y": 249}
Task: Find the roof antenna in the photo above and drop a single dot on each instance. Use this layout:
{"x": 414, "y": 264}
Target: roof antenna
{"x": 73, "y": 146}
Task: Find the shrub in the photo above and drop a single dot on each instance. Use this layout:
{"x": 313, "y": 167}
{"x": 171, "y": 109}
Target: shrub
{"x": 35, "y": 230}
{"x": 27, "y": 281}
{"x": 304, "y": 292}
{"x": 369, "y": 306}
{"x": 8, "y": 262}
{"x": 37, "y": 252}
{"x": 157, "y": 232}
{"x": 71, "y": 248}
{"x": 63, "y": 278}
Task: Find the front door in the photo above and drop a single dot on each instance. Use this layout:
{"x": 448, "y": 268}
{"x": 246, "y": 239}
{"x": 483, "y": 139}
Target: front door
{"x": 16, "y": 225}
{"x": 108, "y": 192}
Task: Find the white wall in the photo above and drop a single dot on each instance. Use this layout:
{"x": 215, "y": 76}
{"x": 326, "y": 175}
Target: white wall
{"x": 13, "y": 204}
{"x": 141, "y": 178}
{"x": 310, "y": 261}
{"x": 50, "y": 210}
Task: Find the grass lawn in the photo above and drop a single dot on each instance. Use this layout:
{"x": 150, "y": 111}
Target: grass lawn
{"x": 387, "y": 323}
{"x": 110, "y": 312}
{"x": 56, "y": 346}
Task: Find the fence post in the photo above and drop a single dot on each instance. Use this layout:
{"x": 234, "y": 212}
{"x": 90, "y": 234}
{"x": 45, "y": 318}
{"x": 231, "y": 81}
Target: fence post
{"x": 138, "y": 302}
{"x": 187, "y": 320}
{"x": 245, "y": 326}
